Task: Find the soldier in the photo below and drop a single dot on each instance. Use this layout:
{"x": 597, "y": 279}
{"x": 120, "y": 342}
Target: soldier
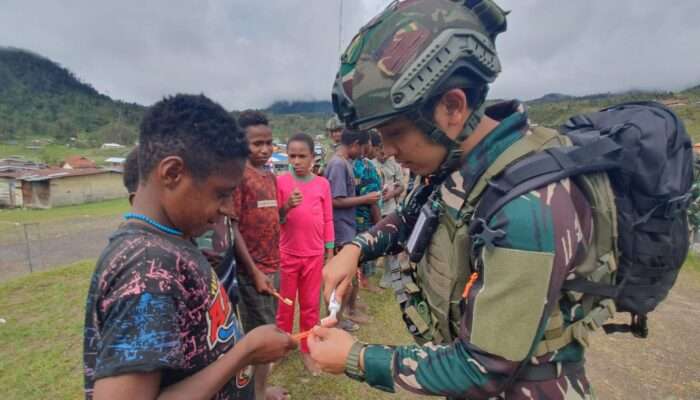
{"x": 334, "y": 127}
{"x": 484, "y": 304}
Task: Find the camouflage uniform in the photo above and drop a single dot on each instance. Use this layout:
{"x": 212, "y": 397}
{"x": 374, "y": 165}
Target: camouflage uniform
{"x": 507, "y": 310}
{"x": 485, "y": 339}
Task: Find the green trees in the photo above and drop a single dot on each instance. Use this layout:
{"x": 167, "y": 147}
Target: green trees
{"x": 39, "y": 98}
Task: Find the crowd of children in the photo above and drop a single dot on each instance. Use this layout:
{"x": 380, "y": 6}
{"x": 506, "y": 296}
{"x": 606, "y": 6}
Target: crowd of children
{"x": 183, "y": 302}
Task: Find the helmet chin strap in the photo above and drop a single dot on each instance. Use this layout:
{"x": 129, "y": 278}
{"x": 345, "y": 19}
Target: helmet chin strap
{"x": 452, "y": 160}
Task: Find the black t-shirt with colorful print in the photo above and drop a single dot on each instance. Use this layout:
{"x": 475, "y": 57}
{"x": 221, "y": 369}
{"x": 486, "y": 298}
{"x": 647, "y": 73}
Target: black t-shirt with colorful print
{"x": 155, "y": 303}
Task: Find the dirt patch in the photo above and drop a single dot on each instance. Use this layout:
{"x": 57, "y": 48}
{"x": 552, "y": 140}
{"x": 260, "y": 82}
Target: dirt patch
{"x": 51, "y": 244}
{"x": 666, "y": 365}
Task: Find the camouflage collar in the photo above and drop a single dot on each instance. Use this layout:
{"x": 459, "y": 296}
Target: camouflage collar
{"x": 513, "y": 123}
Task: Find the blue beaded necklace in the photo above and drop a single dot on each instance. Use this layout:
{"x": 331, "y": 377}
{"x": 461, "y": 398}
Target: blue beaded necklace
{"x": 153, "y": 223}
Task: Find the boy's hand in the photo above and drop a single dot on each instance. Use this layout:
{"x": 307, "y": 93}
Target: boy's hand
{"x": 268, "y": 343}
{"x": 295, "y": 199}
{"x": 263, "y": 284}
{"x": 329, "y": 348}
{"x": 372, "y": 198}
{"x": 386, "y": 193}
{"x": 390, "y": 192}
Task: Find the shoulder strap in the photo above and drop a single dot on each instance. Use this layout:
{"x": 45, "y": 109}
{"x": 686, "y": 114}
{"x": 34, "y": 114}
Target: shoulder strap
{"x": 550, "y": 165}
{"x": 534, "y": 140}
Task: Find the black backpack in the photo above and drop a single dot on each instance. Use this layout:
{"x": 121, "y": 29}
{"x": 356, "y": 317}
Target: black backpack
{"x": 647, "y": 155}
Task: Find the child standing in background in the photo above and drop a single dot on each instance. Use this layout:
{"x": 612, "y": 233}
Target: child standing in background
{"x": 306, "y": 210}
{"x": 368, "y": 181}
{"x": 256, "y": 230}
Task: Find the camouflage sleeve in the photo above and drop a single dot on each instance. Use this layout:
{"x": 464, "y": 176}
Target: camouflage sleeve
{"x": 389, "y": 234}
{"x": 506, "y": 311}
{"x": 383, "y": 238}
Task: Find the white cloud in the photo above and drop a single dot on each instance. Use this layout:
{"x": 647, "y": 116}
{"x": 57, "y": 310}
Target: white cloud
{"x": 248, "y": 54}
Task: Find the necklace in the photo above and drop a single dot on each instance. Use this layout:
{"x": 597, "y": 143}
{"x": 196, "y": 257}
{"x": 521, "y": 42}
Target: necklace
{"x": 153, "y": 223}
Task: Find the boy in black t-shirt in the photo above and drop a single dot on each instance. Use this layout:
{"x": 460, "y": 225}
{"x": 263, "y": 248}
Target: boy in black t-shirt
{"x": 158, "y": 321}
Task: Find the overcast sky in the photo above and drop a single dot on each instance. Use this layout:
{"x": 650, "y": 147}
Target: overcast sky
{"x": 246, "y": 53}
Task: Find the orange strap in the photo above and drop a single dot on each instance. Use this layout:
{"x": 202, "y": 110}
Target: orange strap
{"x": 302, "y": 335}
{"x": 469, "y": 284}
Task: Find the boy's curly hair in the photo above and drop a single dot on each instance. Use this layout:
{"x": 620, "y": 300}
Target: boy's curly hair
{"x": 194, "y": 128}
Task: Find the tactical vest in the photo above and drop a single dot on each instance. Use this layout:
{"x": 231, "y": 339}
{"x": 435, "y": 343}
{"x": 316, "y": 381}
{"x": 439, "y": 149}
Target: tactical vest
{"x": 431, "y": 291}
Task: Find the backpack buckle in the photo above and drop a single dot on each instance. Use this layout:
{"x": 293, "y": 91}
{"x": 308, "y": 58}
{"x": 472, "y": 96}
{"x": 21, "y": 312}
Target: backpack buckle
{"x": 677, "y": 205}
{"x": 639, "y": 327}
{"x": 500, "y": 185}
{"x": 483, "y": 235}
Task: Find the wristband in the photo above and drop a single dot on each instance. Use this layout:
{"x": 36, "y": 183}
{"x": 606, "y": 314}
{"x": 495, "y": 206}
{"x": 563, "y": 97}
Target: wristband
{"x": 352, "y": 363}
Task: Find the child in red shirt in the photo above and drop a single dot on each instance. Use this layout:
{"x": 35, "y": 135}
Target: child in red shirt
{"x": 306, "y": 237}
{"x": 256, "y": 228}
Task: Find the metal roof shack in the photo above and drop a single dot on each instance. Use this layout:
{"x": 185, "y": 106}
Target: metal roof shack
{"x": 11, "y": 170}
{"x": 78, "y": 162}
{"x": 52, "y": 187}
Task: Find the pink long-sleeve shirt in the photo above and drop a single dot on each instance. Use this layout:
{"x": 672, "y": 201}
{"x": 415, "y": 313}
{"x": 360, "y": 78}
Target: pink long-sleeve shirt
{"x": 308, "y": 228}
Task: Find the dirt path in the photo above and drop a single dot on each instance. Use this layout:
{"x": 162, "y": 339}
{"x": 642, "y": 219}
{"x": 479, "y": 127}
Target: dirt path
{"x": 664, "y": 366}
{"x": 53, "y": 244}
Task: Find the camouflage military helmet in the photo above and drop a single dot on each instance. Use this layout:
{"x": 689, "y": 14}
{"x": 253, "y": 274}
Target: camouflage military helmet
{"x": 334, "y": 124}
{"x": 415, "y": 50}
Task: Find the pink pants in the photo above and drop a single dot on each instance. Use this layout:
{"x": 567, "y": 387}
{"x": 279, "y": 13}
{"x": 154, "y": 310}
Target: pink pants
{"x": 302, "y": 274}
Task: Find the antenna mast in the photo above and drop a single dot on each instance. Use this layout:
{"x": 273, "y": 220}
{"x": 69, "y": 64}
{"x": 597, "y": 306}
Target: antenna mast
{"x": 340, "y": 28}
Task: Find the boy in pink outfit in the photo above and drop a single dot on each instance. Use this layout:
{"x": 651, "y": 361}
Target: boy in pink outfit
{"x": 307, "y": 236}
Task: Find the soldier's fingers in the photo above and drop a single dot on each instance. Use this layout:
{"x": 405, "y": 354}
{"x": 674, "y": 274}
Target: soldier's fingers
{"x": 320, "y": 332}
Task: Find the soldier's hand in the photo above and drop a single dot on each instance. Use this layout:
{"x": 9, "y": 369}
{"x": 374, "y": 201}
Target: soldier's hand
{"x": 267, "y": 343}
{"x": 339, "y": 271}
{"x": 329, "y": 348}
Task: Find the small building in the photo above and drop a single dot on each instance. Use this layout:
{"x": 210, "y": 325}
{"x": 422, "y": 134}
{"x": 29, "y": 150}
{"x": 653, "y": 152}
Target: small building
{"x": 78, "y": 162}
{"x": 112, "y": 146}
{"x": 115, "y": 162}
{"x": 278, "y": 163}
{"x": 11, "y": 170}
{"x": 53, "y": 187}
{"x": 10, "y": 190}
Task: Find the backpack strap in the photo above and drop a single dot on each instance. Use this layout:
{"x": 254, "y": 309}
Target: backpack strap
{"x": 548, "y": 166}
{"x": 534, "y": 140}
{"x": 579, "y": 331}
{"x": 512, "y": 177}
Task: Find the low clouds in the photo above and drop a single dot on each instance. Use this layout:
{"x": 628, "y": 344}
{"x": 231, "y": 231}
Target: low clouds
{"x": 248, "y": 54}
{"x": 598, "y": 46}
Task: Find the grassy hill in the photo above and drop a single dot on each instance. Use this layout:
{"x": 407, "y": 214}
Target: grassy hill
{"x": 554, "y": 110}
{"x": 41, "y": 99}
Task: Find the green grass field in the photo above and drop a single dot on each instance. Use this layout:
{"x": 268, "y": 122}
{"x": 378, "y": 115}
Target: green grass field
{"x": 8, "y": 218}
{"x": 692, "y": 262}
{"x": 41, "y": 341}
{"x": 54, "y": 154}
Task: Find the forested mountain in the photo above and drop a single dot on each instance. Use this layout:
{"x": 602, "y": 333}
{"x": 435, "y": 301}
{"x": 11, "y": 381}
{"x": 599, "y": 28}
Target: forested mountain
{"x": 39, "y": 98}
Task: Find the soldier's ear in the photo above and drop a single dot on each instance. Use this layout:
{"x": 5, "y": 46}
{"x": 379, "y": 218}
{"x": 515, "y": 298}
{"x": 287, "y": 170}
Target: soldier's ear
{"x": 452, "y": 111}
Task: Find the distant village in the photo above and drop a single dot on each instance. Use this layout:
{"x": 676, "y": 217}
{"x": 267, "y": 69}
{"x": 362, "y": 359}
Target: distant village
{"x": 25, "y": 183}
{"x": 77, "y": 180}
